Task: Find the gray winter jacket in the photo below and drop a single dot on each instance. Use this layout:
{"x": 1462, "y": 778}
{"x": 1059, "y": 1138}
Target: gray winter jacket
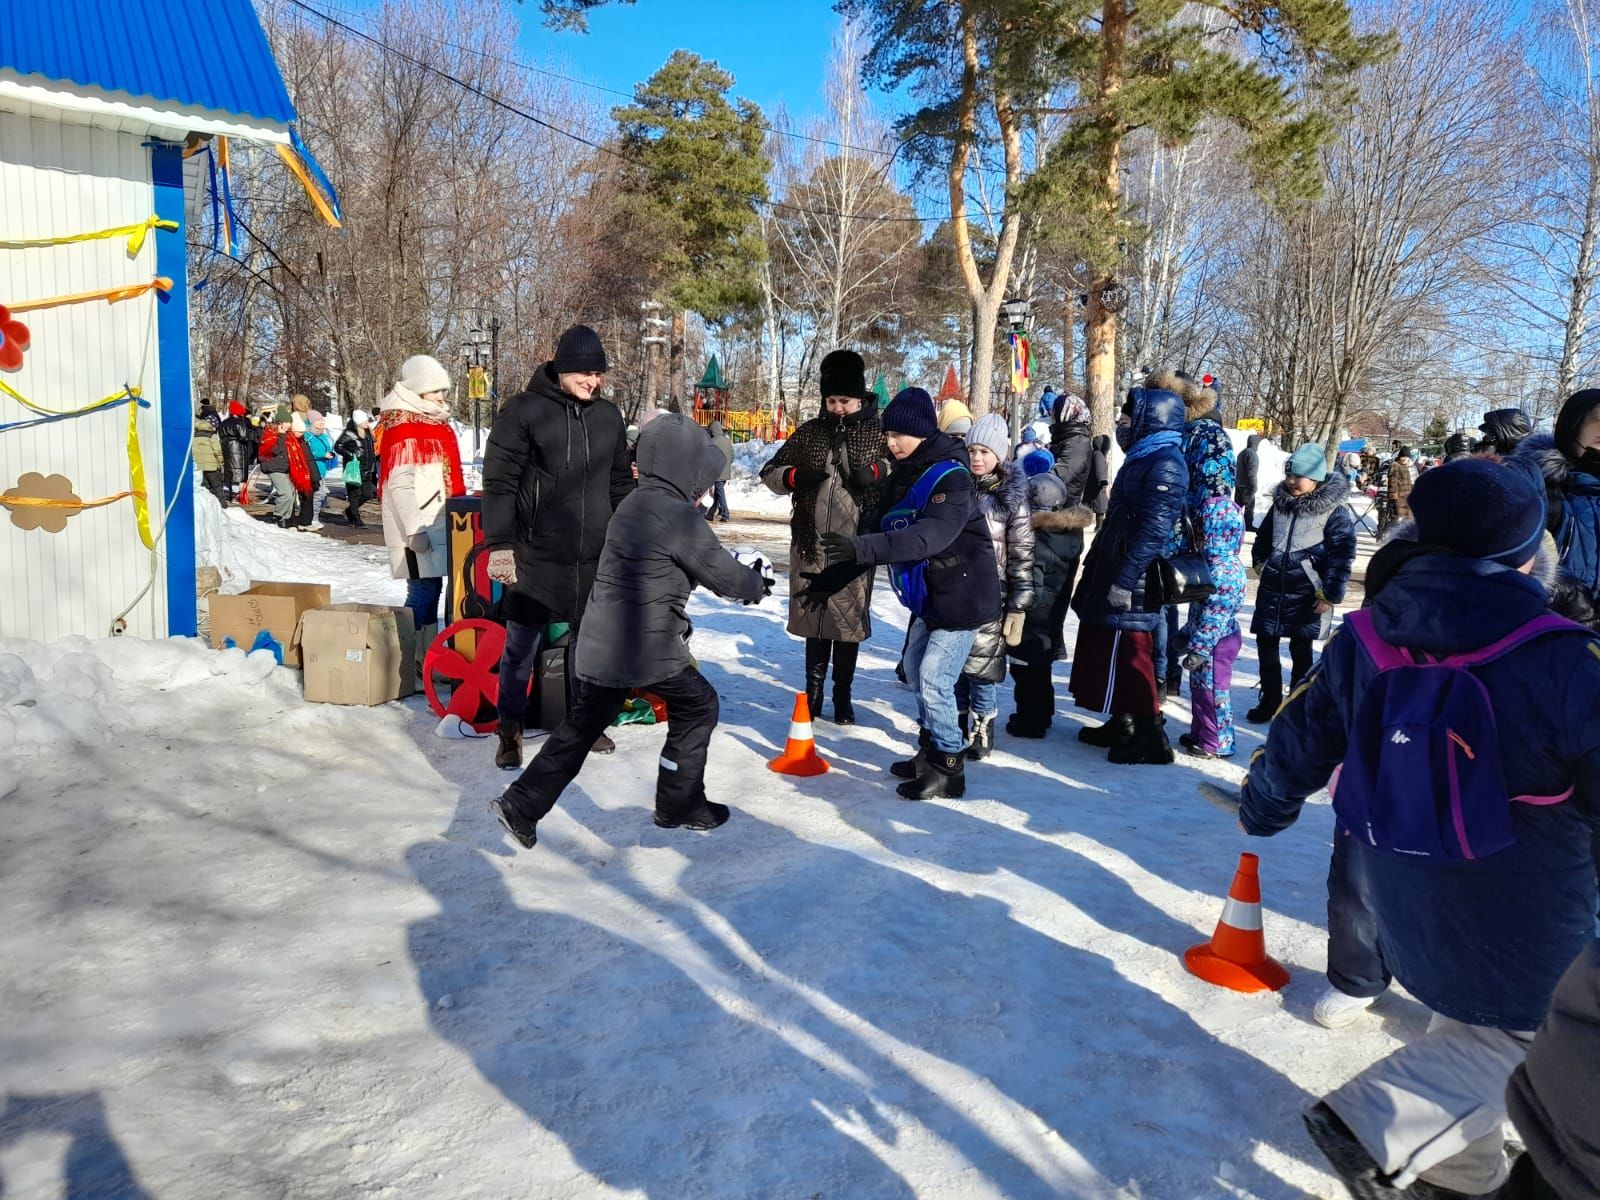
{"x": 724, "y": 443}
{"x": 636, "y": 629}
{"x": 1010, "y": 520}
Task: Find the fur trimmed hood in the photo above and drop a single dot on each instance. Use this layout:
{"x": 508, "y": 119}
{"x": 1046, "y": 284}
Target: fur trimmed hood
{"x": 1012, "y": 490}
{"x": 1198, "y": 401}
{"x": 1067, "y": 520}
{"x": 1556, "y": 467}
{"x": 1327, "y": 496}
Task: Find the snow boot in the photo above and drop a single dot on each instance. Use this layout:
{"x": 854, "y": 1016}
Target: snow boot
{"x": 1018, "y": 726}
{"x": 1356, "y": 1169}
{"x": 1266, "y": 710}
{"x": 1148, "y": 745}
{"x": 1113, "y": 733}
{"x": 910, "y": 768}
{"x": 509, "y": 756}
{"x": 844, "y": 679}
{"x": 943, "y": 776}
{"x": 603, "y": 745}
{"x": 1174, "y": 684}
{"x": 982, "y": 738}
{"x": 703, "y": 816}
{"x": 518, "y": 826}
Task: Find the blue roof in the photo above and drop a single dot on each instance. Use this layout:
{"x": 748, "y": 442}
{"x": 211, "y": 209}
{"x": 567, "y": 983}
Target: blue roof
{"x": 190, "y": 53}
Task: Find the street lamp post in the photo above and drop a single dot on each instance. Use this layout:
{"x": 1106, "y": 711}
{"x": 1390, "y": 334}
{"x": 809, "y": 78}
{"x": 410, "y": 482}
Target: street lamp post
{"x": 1015, "y": 314}
{"x": 478, "y": 350}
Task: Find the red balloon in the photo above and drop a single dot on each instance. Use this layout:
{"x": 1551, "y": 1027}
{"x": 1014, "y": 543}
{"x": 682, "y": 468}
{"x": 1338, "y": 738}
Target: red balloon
{"x": 13, "y": 340}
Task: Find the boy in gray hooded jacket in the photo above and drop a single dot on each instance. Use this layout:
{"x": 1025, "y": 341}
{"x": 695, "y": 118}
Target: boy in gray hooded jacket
{"x": 635, "y": 634}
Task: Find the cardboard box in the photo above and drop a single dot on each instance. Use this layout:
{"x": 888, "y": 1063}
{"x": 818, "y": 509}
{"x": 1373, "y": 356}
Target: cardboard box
{"x": 358, "y": 653}
{"x": 275, "y": 607}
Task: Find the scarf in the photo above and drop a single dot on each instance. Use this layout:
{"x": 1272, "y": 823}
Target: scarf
{"x": 417, "y": 436}
{"x": 1151, "y": 443}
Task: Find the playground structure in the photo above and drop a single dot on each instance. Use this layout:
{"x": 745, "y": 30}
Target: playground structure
{"x": 711, "y": 396}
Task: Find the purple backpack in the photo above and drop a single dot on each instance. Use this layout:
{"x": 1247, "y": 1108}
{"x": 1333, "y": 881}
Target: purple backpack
{"x": 1423, "y": 779}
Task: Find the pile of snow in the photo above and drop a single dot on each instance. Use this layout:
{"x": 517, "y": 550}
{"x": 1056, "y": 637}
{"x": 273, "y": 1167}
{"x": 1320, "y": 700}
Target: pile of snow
{"x": 246, "y": 551}
{"x": 1270, "y": 464}
{"x": 746, "y": 492}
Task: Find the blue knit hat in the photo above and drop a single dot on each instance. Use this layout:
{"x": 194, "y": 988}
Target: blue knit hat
{"x": 1481, "y": 509}
{"x": 911, "y": 413}
{"x": 1040, "y": 462}
{"x": 1309, "y": 462}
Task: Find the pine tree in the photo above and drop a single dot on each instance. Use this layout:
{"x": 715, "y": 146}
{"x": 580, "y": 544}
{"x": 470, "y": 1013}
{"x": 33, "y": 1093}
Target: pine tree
{"x": 699, "y": 171}
{"x": 984, "y": 69}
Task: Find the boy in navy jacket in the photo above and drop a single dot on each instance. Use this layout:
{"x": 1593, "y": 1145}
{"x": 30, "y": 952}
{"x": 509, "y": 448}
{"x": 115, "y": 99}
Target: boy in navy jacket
{"x": 1480, "y": 941}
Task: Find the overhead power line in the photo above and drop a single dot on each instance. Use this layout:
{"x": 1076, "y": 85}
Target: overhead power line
{"x": 536, "y": 119}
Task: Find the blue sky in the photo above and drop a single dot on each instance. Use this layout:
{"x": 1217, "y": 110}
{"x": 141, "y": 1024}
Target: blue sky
{"x": 775, "y": 49}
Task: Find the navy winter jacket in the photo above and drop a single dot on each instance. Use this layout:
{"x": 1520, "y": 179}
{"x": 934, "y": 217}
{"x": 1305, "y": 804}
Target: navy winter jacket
{"x": 1317, "y": 529}
{"x": 1147, "y": 499}
{"x": 951, "y": 534}
{"x": 1572, "y": 494}
{"x": 1483, "y": 941}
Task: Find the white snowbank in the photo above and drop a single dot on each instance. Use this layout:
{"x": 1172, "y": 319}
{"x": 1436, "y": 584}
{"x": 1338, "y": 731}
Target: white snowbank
{"x": 246, "y": 551}
{"x": 257, "y": 947}
{"x": 746, "y": 492}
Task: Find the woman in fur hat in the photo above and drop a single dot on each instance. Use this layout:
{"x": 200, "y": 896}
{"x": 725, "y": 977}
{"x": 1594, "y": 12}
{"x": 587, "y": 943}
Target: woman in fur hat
{"x": 419, "y": 468}
{"x": 833, "y": 467}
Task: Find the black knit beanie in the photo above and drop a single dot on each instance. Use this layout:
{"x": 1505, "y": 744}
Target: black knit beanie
{"x": 579, "y": 350}
{"x": 911, "y": 413}
{"x": 843, "y": 374}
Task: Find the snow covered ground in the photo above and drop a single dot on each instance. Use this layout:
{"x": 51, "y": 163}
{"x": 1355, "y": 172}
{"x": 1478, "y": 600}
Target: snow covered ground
{"x": 260, "y": 948}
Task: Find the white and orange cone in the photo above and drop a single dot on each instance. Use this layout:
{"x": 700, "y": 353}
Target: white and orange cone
{"x": 799, "y": 755}
{"x": 1236, "y": 956}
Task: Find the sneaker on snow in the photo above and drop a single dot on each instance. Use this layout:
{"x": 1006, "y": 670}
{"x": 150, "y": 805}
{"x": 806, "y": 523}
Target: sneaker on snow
{"x": 1336, "y": 1009}
{"x": 703, "y": 816}
{"x": 524, "y": 831}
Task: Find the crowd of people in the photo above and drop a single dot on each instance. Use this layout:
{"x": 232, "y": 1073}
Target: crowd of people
{"x": 1453, "y": 715}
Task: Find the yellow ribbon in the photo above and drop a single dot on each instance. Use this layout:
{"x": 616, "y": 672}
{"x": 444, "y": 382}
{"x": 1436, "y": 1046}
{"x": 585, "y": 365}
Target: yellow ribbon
{"x": 109, "y": 295}
{"x": 76, "y": 505}
{"x": 141, "y": 506}
{"x": 67, "y": 412}
{"x": 135, "y": 234}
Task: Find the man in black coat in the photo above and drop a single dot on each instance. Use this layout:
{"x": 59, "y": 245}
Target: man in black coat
{"x": 1247, "y": 473}
{"x": 555, "y": 468}
{"x": 637, "y": 635}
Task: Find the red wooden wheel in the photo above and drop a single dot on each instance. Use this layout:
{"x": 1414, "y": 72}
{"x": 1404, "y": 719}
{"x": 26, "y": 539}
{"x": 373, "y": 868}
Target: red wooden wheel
{"x": 475, "y": 682}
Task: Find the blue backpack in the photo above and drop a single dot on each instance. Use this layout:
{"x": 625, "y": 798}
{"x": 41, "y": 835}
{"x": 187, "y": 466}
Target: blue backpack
{"x": 909, "y": 580}
{"x": 1423, "y": 778}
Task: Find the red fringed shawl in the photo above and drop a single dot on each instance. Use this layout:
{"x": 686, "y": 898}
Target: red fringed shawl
{"x": 410, "y": 440}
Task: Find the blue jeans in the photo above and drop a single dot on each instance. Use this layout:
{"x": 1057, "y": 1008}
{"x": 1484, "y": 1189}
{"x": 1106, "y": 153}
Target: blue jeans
{"x": 719, "y": 502}
{"x": 1170, "y": 647}
{"x": 977, "y": 696}
{"x": 422, "y": 598}
{"x": 933, "y": 661}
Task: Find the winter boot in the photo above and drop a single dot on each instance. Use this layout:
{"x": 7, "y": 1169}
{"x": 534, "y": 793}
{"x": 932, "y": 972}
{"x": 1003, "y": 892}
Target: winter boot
{"x": 943, "y": 776}
{"x": 844, "y": 678}
{"x": 1336, "y": 1009}
{"x": 425, "y": 637}
{"x": 518, "y": 826}
{"x": 816, "y": 674}
{"x": 1113, "y": 733}
{"x": 1356, "y": 1169}
{"x": 1174, "y": 684}
{"x": 1148, "y": 745}
{"x": 1018, "y": 727}
{"x": 1266, "y": 710}
{"x": 910, "y": 768}
{"x": 509, "y": 756}
{"x": 703, "y": 816}
{"x": 603, "y": 745}
{"x": 982, "y": 738}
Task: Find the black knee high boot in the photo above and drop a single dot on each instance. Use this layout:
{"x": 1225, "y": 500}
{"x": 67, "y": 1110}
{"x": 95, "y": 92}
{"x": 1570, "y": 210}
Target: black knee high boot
{"x": 844, "y": 678}
{"x": 816, "y": 673}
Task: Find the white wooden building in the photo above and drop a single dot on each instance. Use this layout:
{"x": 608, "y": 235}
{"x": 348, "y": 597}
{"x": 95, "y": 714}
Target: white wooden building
{"x": 96, "y": 100}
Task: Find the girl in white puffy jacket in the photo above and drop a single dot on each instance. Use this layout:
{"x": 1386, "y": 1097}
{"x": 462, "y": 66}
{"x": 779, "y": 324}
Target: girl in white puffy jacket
{"x": 419, "y": 467}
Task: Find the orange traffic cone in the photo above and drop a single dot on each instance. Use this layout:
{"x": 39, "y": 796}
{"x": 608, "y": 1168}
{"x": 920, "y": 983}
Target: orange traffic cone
{"x": 1236, "y": 955}
{"x": 799, "y": 755}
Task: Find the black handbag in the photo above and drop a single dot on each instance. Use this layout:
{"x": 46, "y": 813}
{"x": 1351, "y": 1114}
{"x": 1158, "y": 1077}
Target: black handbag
{"x": 1184, "y": 578}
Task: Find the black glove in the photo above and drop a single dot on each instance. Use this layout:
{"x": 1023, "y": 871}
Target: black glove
{"x": 870, "y": 475}
{"x": 823, "y": 584}
{"x": 796, "y": 478}
{"x": 837, "y": 548}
